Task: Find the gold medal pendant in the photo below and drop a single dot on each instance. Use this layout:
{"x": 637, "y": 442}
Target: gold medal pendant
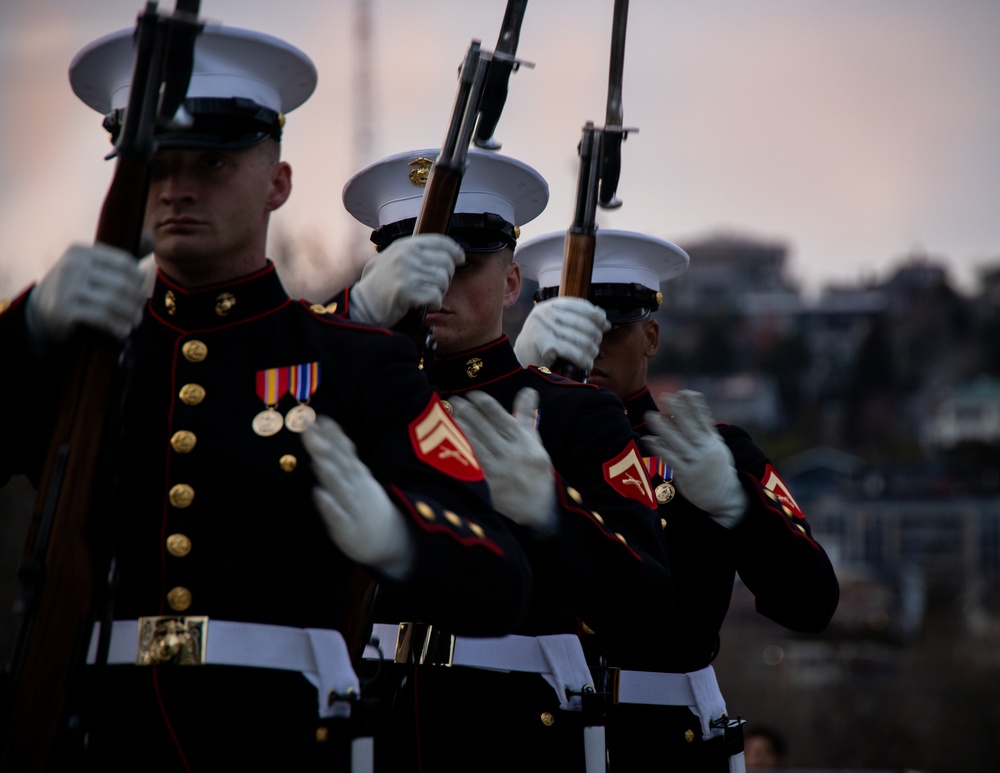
{"x": 300, "y": 417}
{"x": 664, "y": 492}
{"x": 267, "y": 423}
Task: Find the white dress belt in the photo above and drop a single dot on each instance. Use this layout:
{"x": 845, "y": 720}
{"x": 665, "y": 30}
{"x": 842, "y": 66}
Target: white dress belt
{"x": 319, "y": 654}
{"x": 698, "y": 690}
{"x": 558, "y": 658}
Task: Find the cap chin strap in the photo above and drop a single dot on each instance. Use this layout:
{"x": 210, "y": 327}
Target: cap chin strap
{"x": 218, "y": 122}
{"x": 482, "y": 232}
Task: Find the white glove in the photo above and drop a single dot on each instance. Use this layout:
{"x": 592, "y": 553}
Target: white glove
{"x": 517, "y": 466}
{"x": 562, "y": 328}
{"x": 413, "y": 272}
{"x": 93, "y": 285}
{"x": 360, "y": 517}
{"x": 686, "y": 438}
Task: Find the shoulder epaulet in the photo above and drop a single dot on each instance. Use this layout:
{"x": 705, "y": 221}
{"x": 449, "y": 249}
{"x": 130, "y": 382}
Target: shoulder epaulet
{"x": 542, "y": 372}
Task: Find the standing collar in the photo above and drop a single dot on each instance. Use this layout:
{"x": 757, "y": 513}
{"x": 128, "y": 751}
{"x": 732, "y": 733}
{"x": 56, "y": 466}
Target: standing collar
{"x": 637, "y": 405}
{"x": 474, "y": 368}
{"x": 217, "y": 305}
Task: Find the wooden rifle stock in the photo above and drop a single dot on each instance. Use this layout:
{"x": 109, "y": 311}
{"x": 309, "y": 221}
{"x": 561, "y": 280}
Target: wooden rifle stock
{"x": 65, "y": 556}
{"x": 581, "y": 238}
{"x": 67, "y": 560}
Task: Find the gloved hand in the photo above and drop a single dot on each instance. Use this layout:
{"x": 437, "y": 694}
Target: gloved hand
{"x": 361, "y": 519}
{"x": 686, "y": 438}
{"x": 562, "y": 328}
{"x": 413, "y": 272}
{"x": 93, "y": 285}
{"x": 517, "y": 466}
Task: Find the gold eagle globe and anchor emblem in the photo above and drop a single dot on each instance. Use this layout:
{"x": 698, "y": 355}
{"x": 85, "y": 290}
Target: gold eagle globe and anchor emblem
{"x": 422, "y": 170}
{"x": 473, "y": 366}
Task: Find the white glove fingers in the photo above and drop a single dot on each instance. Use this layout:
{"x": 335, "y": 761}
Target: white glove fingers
{"x": 494, "y": 415}
{"x": 676, "y": 407}
{"x": 481, "y": 427}
{"x": 668, "y": 443}
{"x": 583, "y": 314}
{"x": 525, "y": 408}
{"x": 697, "y": 408}
{"x": 334, "y": 516}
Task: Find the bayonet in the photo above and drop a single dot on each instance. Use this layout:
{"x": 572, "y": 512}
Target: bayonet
{"x": 614, "y": 122}
{"x": 502, "y": 63}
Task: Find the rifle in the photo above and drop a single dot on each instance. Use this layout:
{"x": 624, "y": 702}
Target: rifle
{"x": 597, "y": 183}
{"x": 482, "y": 92}
{"x": 67, "y": 566}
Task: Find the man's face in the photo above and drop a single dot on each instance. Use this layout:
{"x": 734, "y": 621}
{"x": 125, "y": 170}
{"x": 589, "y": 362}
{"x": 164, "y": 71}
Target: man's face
{"x": 621, "y": 362}
{"x": 472, "y": 312}
{"x": 208, "y": 209}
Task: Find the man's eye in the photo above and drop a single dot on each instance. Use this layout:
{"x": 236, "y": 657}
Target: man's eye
{"x": 214, "y": 162}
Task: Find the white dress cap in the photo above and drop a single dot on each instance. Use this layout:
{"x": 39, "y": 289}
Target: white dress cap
{"x": 620, "y": 257}
{"x": 228, "y": 62}
{"x": 392, "y": 189}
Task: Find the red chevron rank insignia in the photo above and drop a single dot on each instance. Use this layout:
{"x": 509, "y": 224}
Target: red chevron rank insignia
{"x": 628, "y": 476}
{"x": 439, "y": 442}
{"x": 776, "y": 485}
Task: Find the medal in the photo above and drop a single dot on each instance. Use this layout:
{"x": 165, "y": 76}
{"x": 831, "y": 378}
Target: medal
{"x": 302, "y": 383}
{"x": 664, "y": 492}
{"x": 657, "y": 468}
{"x": 267, "y": 423}
{"x": 300, "y": 417}
{"x": 271, "y": 385}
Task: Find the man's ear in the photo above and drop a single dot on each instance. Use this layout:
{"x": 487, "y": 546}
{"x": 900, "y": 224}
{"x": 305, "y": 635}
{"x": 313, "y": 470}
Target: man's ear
{"x": 281, "y": 185}
{"x": 651, "y": 329}
{"x": 512, "y": 285}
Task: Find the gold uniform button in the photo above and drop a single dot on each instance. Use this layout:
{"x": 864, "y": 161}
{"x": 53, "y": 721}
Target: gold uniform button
{"x": 689, "y": 735}
{"x": 178, "y": 545}
{"x": 597, "y": 517}
{"x": 547, "y": 719}
{"x": 194, "y": 351}
{"x": 322, "y": 733}
{"x": 477, "y": 530}
{"x": 452, "y": 518}
{"x": 574, "y": 494}
{"x": 183, "y": 442}
{"x": 586, "y": 628}
{"x": 425, "y": 510}
{"x": 288, "y": 462}
{"x": 447, "y": 406}
{"x": 181, "y": 495}
{"x": 663, "y": 523}
{"x": 192, "y": 394}
{"x": 179, "y": 598}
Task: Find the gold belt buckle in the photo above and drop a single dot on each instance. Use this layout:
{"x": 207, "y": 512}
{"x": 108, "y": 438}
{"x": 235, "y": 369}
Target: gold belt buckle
{"x": 171, "y": 640}
{"x": 424, "y": 644}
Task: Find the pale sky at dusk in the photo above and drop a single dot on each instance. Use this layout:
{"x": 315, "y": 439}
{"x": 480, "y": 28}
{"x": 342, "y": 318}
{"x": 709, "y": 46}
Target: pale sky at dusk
{"x": 857, "y": 132}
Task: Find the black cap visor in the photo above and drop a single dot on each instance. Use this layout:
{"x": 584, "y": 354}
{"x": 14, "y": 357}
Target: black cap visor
{"x": 230, "y": 124}
{"x": 623, "y": 303}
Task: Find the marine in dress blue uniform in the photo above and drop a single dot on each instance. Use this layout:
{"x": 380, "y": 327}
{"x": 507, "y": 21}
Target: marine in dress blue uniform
{"x": 771, "y": 547}
{"x": 212, "y": 510}
{"x": 604, "y": 572}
